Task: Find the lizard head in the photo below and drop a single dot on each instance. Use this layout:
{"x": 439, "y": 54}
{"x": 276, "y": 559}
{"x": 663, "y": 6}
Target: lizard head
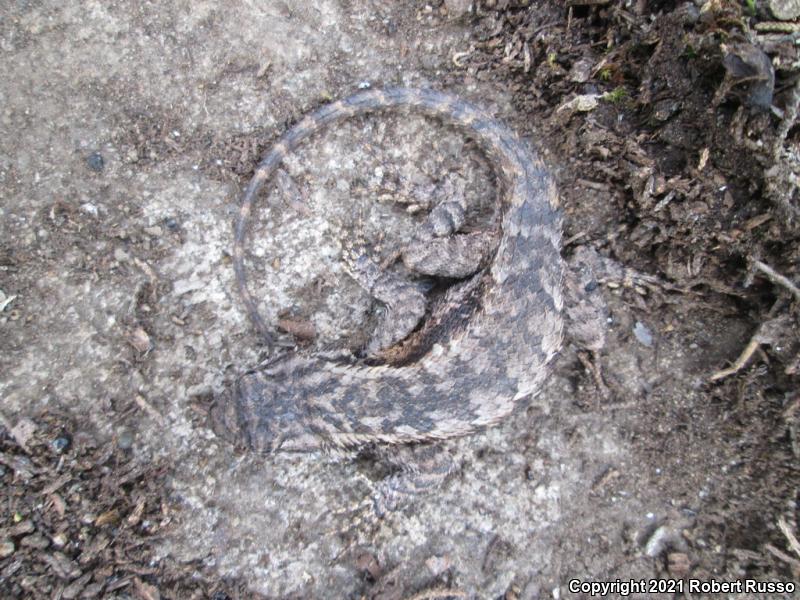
{"x": 258, "y": 414}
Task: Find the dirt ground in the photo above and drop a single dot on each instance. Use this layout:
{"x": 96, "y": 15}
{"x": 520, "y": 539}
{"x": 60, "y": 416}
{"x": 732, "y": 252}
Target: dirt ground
{"x": 128, "y": 133}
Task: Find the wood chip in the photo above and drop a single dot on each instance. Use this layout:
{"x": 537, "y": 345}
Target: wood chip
{"x": 62, "y": 566}
{"x": 302, "y": 329}
{"x": 23, "y": 431}
{"x": 136, "y": 514}
{"x": 56, "y": 485}
{"x": 140, "y": 340}
{"x": 107, "y": 518}
{"x": 76, "y": 587}
{"x": 145, "y": 591}
{"x": 148, "y": 408}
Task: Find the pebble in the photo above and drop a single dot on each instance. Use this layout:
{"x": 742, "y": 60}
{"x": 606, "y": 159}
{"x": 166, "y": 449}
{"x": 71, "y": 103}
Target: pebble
{"x": 458, "y": 8}
{"x": 90, "y": 209}
{"x": 21, "y": 528}
{"x": 784, "y": 10}
{"x": 120, "y": 255}
{"x": 125, "y": 440}
{"x": 61, "y": 443}
{"x": 643, "y": 334}
{"x": 581, "y": 71}
{"x": 95, "y": 161}
{"x": 37, "y": 541}
{"x": 171, "y": 223}
{"x": 6, "y": 548}
{"x": 678, "y": 564}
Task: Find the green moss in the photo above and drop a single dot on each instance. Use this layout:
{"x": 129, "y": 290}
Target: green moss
{"x": 616, "y": 96}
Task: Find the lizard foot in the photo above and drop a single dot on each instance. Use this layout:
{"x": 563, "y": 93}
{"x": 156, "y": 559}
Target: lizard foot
{"x": 419, "y": 470}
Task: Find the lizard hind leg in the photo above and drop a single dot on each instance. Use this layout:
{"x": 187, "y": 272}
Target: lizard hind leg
{"x": 418, "y": 470}
{"x": 404, "y": 302}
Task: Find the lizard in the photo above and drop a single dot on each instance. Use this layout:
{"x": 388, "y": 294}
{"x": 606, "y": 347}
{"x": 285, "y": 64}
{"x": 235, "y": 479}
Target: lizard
{"x": 474, "y": 368}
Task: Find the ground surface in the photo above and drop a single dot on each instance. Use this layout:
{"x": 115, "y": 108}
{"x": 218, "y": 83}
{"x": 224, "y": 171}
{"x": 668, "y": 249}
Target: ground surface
{"x": 129, "y": 130}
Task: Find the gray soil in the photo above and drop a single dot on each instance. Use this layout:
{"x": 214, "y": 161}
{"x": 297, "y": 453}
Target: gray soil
{"x": 128, "y": 132}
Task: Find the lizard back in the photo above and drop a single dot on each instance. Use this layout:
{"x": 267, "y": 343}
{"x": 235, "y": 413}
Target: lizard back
{"x": 466, "y": 381}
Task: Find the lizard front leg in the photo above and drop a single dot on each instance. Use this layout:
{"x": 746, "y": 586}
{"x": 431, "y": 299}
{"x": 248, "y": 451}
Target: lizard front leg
{"x": 420, "y": 469}
{"x": 437, "y": 249}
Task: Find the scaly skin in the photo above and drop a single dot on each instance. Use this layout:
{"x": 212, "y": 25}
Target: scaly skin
{"x": 474, "y": 374}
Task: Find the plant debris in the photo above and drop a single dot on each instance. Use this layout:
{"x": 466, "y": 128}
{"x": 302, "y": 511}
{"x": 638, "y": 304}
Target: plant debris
{"x": 83, "y": 521}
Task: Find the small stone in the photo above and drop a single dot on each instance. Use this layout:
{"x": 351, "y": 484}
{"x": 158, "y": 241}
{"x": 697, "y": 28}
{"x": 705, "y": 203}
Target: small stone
{"x": 154, "y": 231}
{"x": 171, "y": 223}
{"x": 665, "y": 109}
{"x": 23, "y": 431}
{"x": 22, "y": 528}
{"x": 438, "y": 564}
{"x": 366, "y": 562}
{"x": 95, "y": 161}
{"x": 125, "y": 440}
{"x": 458, "y": 8}
{"x": 750, "y": 65}
{"x": 583, "y": 103}
{"x": 120, "y": 255}
{"x": 643, "y": 334}
{"x": 61, "y": 443}
{"x": 581, "y": 70}
{"x": 37, "y": 541}
{"x": 6, "y": 548}
{"x": 784, "y": 10}
{"x": 90, "y": 209}
{"x": 678, "y": 564}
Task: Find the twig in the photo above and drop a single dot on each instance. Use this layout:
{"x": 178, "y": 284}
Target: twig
{"x": 149, "y": 409}
{"x": 748, "y": 351}
{"x": 438, "y": 593}
{"x": 776, "y": 277}
{"x": 793, "y": 543}
{"x": 793, "y": 562}
{"x": 766, "y": 333}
